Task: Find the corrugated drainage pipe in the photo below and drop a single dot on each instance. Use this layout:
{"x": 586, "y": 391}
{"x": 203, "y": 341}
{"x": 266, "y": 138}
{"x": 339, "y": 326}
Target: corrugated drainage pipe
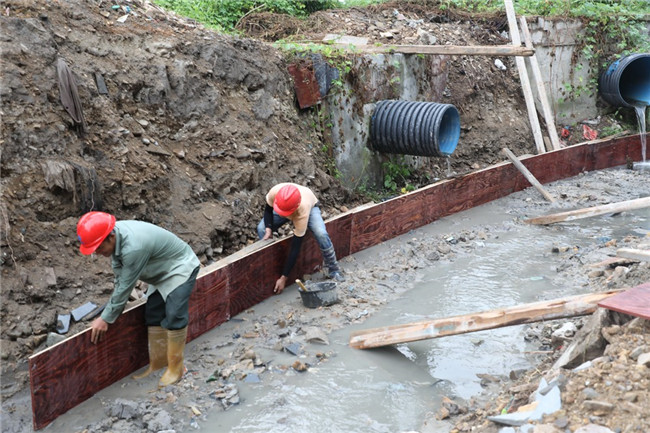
{"x": 626, "y": 82}
{"x": 415, "y": 128}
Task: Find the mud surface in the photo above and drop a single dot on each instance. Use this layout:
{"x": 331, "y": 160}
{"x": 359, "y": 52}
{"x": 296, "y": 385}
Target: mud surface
{"x": 193, "y": 130}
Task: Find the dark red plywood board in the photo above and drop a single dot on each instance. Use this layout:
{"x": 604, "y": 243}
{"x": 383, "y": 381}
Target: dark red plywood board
{"x": 69, "y": 373}
{"x": 75, "y": 369}
{"x": 634, "y": 301}
{"x": 209, "y": 303}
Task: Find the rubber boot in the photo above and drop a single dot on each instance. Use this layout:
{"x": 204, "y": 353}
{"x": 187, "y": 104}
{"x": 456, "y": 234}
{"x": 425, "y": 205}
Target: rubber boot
{"x": 175, "y": 347}
{"x": 334, "y": 271}
{"x": 157, "y": 336}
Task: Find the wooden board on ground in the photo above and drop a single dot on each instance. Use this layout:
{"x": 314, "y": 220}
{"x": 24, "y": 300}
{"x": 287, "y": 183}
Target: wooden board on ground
{"x": 65, "y": 375}
{"x": 634, "y": 301}
{"x": 612, "y": 262}
{"x": 528, "y": 313}
{"x": 634, "y": 254}
{"x": 572, "y": 215}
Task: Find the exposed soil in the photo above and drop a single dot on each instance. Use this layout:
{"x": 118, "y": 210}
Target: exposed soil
{"x": 194, "y": 129}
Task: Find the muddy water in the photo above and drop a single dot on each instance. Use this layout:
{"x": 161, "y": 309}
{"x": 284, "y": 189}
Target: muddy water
{"x": 391, "y": 389}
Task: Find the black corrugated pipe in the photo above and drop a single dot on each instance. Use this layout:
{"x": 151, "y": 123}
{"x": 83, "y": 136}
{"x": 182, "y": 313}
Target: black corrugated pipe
{"x": 626, "y": 82}
{"x": 415, "y": 128}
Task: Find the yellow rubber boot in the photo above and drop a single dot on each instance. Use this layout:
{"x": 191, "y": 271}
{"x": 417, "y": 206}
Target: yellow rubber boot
{"x": 157, "y": 336}
{"x": 175, "y": 347}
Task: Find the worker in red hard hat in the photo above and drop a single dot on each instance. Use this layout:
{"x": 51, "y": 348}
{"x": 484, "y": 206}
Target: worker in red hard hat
{"x": 146, "y": 252}
{"x": 296, "y": 203}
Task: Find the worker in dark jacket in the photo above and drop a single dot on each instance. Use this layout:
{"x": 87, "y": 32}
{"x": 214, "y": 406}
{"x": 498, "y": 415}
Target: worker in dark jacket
{"x": 146, "y": 252}
{"x": 296, "y": 203}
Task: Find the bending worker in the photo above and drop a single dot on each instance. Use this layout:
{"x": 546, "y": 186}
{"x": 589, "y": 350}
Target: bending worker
{"x": 298, "y": 204}
{"x": 143, "y": 251}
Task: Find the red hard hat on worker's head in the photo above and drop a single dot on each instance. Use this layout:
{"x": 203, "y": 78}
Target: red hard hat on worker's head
{"x": 92, "y": 229}
{"x": 286, "y": 200}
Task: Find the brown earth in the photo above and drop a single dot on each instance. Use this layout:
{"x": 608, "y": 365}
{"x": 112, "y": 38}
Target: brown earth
{"x": 194, "y": 129}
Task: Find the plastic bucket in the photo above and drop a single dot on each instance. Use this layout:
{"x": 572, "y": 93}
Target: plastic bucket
{"x": 319, "y": 295}
{"x": 626, "y": 82}
{"x": 415, "y": 128}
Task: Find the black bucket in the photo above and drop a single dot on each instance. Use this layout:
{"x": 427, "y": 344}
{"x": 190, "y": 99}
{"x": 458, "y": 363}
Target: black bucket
{"x": 319, "y": 295}
{"x": 415, "y": 128}
{"x": 626, "y": 82}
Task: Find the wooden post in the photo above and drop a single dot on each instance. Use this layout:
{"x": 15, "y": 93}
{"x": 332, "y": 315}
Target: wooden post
{"x": 541, "y": 89}
{"x": 523, "y": 77}
{"x": 528, "y": 175}
{"x": 571, "y": 215}
{"x": 546, "y": 310}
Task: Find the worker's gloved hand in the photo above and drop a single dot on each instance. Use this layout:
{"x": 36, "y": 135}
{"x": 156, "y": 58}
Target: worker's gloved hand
{"x": 279, "y": 284}
{"x": 98, "y": 329}
{"x": 268, "y": 234}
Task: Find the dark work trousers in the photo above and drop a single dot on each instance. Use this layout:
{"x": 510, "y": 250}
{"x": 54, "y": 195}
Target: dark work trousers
{"x": 175, "y": 312}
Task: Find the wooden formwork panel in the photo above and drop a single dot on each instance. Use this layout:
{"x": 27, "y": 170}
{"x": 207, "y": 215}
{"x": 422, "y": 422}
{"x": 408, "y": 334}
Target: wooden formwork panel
{"x": 209, "y": 302}
{"x": 72, "y": 371}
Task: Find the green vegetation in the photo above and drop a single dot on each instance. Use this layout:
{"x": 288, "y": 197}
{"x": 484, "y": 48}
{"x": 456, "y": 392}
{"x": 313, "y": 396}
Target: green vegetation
{"x": 224, "y": 15}
{"x": 396, "y": 175}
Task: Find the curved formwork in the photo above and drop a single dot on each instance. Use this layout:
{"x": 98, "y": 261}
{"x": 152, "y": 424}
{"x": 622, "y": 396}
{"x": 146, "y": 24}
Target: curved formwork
{"x": 72, "y": 371}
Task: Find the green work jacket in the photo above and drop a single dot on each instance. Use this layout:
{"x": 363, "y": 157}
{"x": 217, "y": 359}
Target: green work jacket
{"x": 146, "y": 252}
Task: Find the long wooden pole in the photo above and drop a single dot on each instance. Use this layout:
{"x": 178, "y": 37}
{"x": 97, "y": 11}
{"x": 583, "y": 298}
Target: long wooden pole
{"x": 528, "y": 175}
{"x": 464, "y": 50}
{"x": 523, "y": 77}
{"x": 579, "y": 305}
{"x": 571, "y": 215}
{"x": 541, "y": 89}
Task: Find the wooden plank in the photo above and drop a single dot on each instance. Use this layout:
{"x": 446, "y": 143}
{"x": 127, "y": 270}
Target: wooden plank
{"x": 572, "y": 215}
{"x": 462, "y": 50}
{"x": 611, "y": 262}
{"x": 634, "y": 254}
{"x": 541, "y": 89}
{"x": 528, "y": 175}
{"x": 73, "y": 370}
{"x": 54, "y": 376}
{"x": 523, "y": 77}
{"x": 634, "y": 301}
{"x": 528, "y": 313}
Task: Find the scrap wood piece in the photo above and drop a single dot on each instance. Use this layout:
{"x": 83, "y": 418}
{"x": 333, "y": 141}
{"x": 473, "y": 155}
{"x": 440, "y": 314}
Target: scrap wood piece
{"x": 611, "y": 262}
{"x": 634, "y": 254}
{"x": 523, "y": 77}
{"x": 528, "y": 175}
{"x": 634, "y": 301}
{"x": 572, "y": 306}
{"x": 622, "y": 206}
{"x": 541, "y": 89}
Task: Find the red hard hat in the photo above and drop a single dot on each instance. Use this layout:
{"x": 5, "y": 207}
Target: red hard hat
{"x": 92, "y": 229}
{"x": 286, "y": 200}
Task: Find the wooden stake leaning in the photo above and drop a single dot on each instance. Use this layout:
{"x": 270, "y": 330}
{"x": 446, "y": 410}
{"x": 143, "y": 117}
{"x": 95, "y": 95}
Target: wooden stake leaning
{"x": 528, "y": 175}
{"x": 639, "y": 203}
{"x": 527, "y": 313}
{"x": 541, "y": 89}
{"x": 523, "y": 77}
